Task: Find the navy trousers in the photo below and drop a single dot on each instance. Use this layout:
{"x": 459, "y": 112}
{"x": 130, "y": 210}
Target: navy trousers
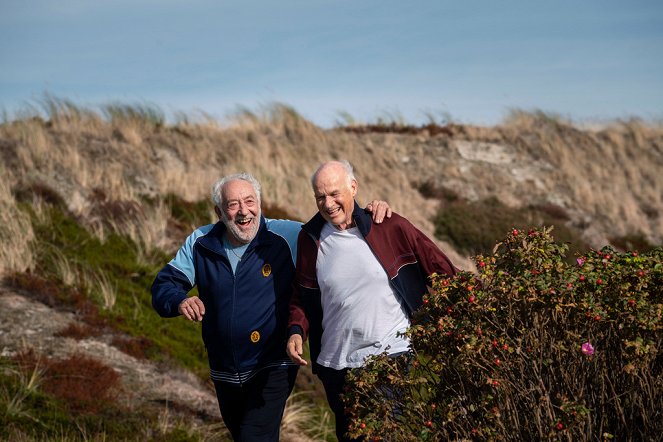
{"x": 334, "y": 383}
{"x": 253, "y": 411}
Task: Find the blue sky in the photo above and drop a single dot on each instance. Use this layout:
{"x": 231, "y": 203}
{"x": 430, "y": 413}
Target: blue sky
{"x": 468, "y": 60}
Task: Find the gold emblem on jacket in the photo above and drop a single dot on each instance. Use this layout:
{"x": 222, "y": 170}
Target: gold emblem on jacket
{"x": 255, "y": 336}
{"x": 266, "y": 270}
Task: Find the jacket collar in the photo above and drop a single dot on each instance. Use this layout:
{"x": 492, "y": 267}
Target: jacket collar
{"x": 361, "y": 218}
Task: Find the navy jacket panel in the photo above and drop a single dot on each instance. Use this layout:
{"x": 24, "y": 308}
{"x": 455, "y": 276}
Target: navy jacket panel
{"x": 245, "y": 324}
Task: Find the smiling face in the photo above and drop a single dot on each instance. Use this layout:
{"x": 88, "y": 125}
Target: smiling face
{"x": 240, "y": 211}
{"x": 334, "y": 195}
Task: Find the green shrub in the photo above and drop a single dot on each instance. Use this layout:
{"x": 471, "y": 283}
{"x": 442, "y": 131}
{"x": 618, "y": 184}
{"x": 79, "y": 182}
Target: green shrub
{"x": 475, "y": 227}
{"x": 532, "y": 347}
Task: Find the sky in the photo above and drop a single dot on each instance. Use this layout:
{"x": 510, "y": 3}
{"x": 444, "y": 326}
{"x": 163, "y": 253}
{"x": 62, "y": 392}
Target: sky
{"x": 465, "y": 61}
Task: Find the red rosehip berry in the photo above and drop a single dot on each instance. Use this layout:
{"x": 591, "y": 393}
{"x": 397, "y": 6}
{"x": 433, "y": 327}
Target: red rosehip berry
{"x": 425, "y": 301}
{"x": 497, "y": 361}
{"x": 471, "y": 298}
{"x": 634, "y": 254}
{"x": 482, "y": 264}
{"x": 569, "y": 285}
{"x": 597, "y": 318}
{"x": 496, "y": 382}
{"x": 599, "y": 281}
{"x": 582, "y": 277}
{"x": 429, "y": 424}
{"x": 449, "y": 310}
{"x": 515, "y": 232}
{"x": 607, "y": 256}
{"x": 631, "y": 302}
{"x": 470, "y": 288}
{"x": 505, "y": 347}
{"x": 641, "y": 273}
{"x": 559, "y": 426}
{"x": 362, "y": 425}
{"x": 494, "y": 343}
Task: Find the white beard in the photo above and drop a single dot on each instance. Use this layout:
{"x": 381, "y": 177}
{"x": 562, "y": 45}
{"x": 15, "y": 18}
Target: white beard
{"x": 242, "y": 236}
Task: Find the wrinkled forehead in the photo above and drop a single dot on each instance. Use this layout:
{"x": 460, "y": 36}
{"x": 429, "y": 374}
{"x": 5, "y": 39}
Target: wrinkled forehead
{"x": 238, "y": 190}
{"x": 331, "y": 176}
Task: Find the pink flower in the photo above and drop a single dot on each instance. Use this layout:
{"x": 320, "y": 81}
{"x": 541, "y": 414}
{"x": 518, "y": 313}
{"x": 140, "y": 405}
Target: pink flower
{"x": 580, "y": 262}
{"x": 587, "y": 349}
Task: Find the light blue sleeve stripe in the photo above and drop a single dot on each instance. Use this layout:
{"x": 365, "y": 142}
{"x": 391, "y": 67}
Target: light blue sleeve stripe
{"x": 288, "y": 230}
{"x": 183, "y": 260}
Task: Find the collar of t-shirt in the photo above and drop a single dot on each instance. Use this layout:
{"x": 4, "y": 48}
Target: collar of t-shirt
{"x": 235, "y": 254}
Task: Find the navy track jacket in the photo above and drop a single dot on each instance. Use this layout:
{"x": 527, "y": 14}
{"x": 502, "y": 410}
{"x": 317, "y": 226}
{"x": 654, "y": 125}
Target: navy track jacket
{"x": 245, "y": 322}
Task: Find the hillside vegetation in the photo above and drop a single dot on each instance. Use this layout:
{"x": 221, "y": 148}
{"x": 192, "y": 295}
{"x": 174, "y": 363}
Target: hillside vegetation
{"x": 94, "y": 202}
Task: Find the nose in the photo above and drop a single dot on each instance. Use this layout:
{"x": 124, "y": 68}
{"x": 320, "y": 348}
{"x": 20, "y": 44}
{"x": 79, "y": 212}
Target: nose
{"x": 243, "y": 208}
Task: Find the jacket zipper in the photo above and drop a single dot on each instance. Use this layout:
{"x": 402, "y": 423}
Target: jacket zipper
{"x": 233, "y": 303}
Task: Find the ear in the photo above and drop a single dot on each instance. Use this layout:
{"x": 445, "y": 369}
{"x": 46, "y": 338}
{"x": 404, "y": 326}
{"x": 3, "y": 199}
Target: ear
{"x": 218, "y": 212}
{"x": 354, "y": 186}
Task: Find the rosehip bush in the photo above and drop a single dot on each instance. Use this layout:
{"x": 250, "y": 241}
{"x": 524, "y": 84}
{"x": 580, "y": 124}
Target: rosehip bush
{"x": 531, "y": 347}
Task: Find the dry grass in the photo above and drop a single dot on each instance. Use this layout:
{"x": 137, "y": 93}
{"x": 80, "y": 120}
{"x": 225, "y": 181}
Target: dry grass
{"x": 16, "y": 234}
{"x": 99, "y": 285}
{"x": 299, "y": 414}
{"x": 30, "y": 377}
{"x": 607, "y": 180}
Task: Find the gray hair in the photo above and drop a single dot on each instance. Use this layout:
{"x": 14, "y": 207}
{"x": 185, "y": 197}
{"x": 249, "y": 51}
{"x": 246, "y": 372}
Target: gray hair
{"x": 217, "y": 188}
{"x": 345, "y": 164}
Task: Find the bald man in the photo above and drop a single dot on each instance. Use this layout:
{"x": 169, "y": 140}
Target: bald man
{"x": 356, "y": 284}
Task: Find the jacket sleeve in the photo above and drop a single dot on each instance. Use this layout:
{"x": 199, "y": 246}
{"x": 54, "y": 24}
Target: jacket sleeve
{"x": 173, "y": 282}
{"x": 431, "y": 258}
{"x": 169, "y": 289}
{"x": 297, "y": 320}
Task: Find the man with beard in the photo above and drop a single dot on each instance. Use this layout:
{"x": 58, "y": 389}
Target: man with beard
{"x": 243, "y": 267}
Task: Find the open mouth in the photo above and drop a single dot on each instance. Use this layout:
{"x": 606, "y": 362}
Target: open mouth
{"x": 244, "y": 221}
{"x": 334, "y": 211}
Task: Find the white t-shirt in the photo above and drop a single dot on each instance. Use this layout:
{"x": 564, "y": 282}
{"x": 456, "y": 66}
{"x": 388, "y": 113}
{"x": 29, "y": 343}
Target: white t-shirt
{"x": 361, "y": 312}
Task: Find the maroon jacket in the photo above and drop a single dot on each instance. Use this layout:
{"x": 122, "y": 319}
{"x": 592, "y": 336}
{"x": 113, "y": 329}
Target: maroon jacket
{"x": 407, "y": 255}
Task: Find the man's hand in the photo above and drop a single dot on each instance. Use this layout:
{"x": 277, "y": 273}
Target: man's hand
{"x": 192, "y": 308}
{"x": 295, "y": 349}
{"x": 380, "y": 209}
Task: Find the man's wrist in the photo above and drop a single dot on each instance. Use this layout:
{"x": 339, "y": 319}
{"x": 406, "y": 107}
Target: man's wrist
{"x": 295, "y": 330}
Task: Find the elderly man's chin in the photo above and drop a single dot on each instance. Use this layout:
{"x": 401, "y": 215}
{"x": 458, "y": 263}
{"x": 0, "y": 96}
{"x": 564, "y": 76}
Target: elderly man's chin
{"x": 243, "y": 235}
